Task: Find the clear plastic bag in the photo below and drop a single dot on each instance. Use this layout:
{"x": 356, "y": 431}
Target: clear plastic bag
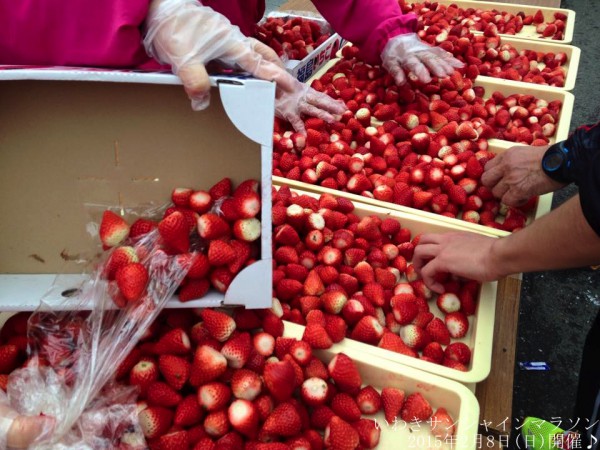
{"x": 76, "y": 345}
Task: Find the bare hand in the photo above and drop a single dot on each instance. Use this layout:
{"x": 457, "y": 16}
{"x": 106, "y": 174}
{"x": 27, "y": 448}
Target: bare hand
{"x": 516, "y": 175}
{"x": 466, "y": 255}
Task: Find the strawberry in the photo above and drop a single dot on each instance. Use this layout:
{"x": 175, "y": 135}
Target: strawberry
{"x": 301, "y": 352}
{"x": 219, "y": 325}
{"x": 237, "y": 350}
{"x": 175, "y": 342}
{"x": 458, "y": 324}
{"x": 216, "y": 424}
{"x": 344, "y": 373}
{"x": 279, "y": 379}
{"x": 220, "y": 253}
{"x": 538, "y": 17}
{"x": 214, "y": 396}
{"x": 316, "y": 336}
{"x": 141, "y": 227}
{"x": 212, "y": 226}
{"x": 283, "y": 421}
{"x": 155, "y": 421}
{"x": 392, "y": 400}
{"x": 457, "y": 194}
{"x": 208, "y": 365}
{"x": 367, "y": 330}
{"x": 344, "y": 406}
{"x": 193, "y": 289}
{"x": 263, "y": 343}
{"x": 246, "y": 384}
{"x": 404, "y": 308}
{"x": 120, "y": 257}
{"x": 442, "y": 425}
{"x": 247, "y": 230}
{"x": 416, "y": 408}
{"x": 458, "y": 351}
{"x": 341, "y": 435}
{"x": 434, "y": 352}
{"x": 200, "y": 201}
{"x": 174, "y": 440}
{"x": 143, "y": 374}
{"x": 368, "y": 432}
{"x": 132, "y": 280}
{"x": 314, "y": 391}
{"x": 313, "y": 285}
{"x": 286, "y": 235}
{"x": 448, "y": 302}
{"x": 272, "y": 324}
{"x": 221, "y": 189}
{"x": 414, "y": 336}
{"x": 132, "y": 358}
{"x": 368, "y": 400}
{"x": 437, "y": 331}
{"x": 244, "y": 417}
{"x": 113, "y": 229}
{"x": 175, "y": 231}
{"x": 247, "y": 204}
{"x": 161, "y": 394}
{"x": 333, "y": 301}
{"x": 175, "y": 370}
{"x": 188, "y": 412}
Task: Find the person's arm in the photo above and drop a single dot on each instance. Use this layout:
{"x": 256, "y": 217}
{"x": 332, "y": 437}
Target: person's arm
{"x": 561, "y": 239}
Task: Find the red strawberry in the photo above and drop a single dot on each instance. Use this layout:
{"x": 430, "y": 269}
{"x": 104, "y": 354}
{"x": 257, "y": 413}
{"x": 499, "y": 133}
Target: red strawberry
{"x": 367, "y": 330}
{"x": 113, "y": 229}
{"x": 301, "y": 352}
{"x": 155, "y": 421}
{"x": 174, "y": 440}
{"x": 416, "y": 408}
{"x": 414, "y": 336}
{"x": 188, "y": 412}
{"x": 286, "y": 235}
{"x": 208, "y": 365}
{"x": 181, "y": 197}
{"x": 345, "y": 374}
{"x": 272, "y": 324}
{"x": 458, "y": 324}
{"x": 246, "y": 384}
{"x": 193, "y": 289}
{"x": 237, "y": 350}
{"x": 283, "y": 421}
{"x": 314, "y": 391}
{"x": 392, "y": 400}
{"x": 141, "y": 227}
{"x": 442, "y": 425}
{"x": 247, "y": 230}
{"x": 120, "y": 257}
{"x": 458, "y": 351}
{"x": 200, "y": 201}
{"x": 161, "y": 394}
{"x": 175, "y": 231}
{"x": 132, "y": 280}
{"x": 368, "y": 400}
{"x": 220, "y": 253}
{"x": 175, "y": 370}
{"x": 448, "y": 302}
{"x": 344, "y": 406}
{"x": 143, "y": 374}
{"x": 316, "y": 336}
{"x": 437, "y": 331}
{"x": 214, "y": 396}
{"x": 263, "y": 343}
{"x": 247, "y": 204}
{"x": 368, "y": 432}
{"x": 219, "y": 325}
{"x": 434, "y": 352}
{"x": 538, "y": 17}
{"x": 212, "y": 226}
{"x": 220, "y": 189}
{"x": 244, "y": 417}
{"x": 279, "y": 378}
{"x": 175, "y": 342}
{"x": 340, "y": 435}
{"x": 404, "y": 308}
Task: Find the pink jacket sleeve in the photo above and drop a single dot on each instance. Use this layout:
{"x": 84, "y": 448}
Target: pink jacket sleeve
{"x": 368, "y": 24}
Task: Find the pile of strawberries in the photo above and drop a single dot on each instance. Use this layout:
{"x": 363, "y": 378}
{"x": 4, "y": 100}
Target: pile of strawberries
{"x": 421, "y": 145}
{"x": 343, "y": 275}
{"x": 433, "y": 13}
{"x": 215, "y": 233}
{"x": 485, "y": 54}
{"x": 13, "y": 346}
{"x": 295, "y": 37}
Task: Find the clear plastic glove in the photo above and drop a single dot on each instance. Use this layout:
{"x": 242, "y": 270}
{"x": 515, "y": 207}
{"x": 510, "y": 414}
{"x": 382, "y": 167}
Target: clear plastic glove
{"x": 187, "y": 35}
{"x": 407, "y": 53}
{"x": 19, "y": 431}
{"x": 516, "y": 175}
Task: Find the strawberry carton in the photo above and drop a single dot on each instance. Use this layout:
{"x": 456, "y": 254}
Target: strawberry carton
{"x": 359, "y": 287}
{"x": 305, "y": 40}
{"x": 124, "y": 140}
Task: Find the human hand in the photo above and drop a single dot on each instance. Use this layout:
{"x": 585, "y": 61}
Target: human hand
{"x": 407, "y": 52}
{"x": 516, "y": 175}
{"x": 463, "y": 254}
{"x": 18, "y": 431}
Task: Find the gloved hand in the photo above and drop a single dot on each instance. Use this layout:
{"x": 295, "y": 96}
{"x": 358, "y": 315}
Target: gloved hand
{"x": 187, "y": 35}
{"x": 18, "y": 431}
{"x": 407, "y": 52}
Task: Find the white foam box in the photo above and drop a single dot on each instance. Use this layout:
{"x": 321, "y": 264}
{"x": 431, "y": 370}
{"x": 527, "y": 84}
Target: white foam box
{"x": 481, "y": 325}
{"x": 440, "y": 392}
{"x": 123, "y": 139}
{"x": 528, "y": 32}
{"x": 305, "y": 68}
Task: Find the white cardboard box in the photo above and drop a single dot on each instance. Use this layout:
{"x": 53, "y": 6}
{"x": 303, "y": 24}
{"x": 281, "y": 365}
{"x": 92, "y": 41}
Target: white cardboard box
{"x": 119, "y": 138}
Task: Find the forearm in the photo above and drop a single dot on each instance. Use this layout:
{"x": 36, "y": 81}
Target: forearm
{"x": 559, "y": 240}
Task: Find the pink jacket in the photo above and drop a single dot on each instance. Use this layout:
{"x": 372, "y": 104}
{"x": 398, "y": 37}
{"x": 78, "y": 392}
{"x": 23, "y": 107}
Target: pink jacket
{"x": 108, "y": 33}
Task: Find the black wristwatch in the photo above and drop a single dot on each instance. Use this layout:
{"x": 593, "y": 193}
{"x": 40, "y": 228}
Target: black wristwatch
{"x": 557, "y": 163}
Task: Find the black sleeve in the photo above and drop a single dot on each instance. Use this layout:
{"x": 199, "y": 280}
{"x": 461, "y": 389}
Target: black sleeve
{"x": 584, "y": 149}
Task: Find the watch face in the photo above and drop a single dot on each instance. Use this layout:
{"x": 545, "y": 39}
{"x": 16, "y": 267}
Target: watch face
{"x": 553, "y": 160}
